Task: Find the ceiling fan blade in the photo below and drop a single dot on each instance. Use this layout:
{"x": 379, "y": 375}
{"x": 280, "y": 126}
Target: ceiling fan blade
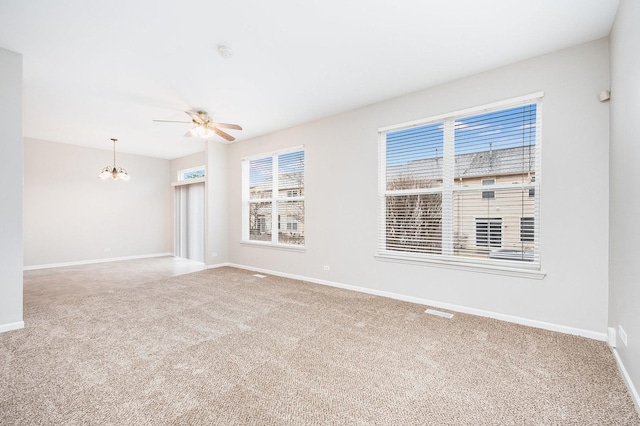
{"x": 195, "y": 117}
{"x": 227, "y": 126}
{"x": 172, "y": 121}
{"x": 190, "y": 132}
{"x": 222, "y": 134}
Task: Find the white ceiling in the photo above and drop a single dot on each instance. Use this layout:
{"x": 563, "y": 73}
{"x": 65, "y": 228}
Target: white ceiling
{"x": 96, "y": 70}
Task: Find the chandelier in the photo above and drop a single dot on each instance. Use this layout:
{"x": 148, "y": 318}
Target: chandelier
{"x": 114, "y": 172}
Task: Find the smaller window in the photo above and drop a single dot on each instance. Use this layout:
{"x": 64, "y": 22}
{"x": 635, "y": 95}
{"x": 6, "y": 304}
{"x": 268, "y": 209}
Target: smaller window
{"x": 193, "y": 173}
{"x": 273, "y": 190}
{"x": 532, "y": 191}
{"x": 488, "y": 195}
{"x": 262, "y": 224}
{"x": 526, "y": 229}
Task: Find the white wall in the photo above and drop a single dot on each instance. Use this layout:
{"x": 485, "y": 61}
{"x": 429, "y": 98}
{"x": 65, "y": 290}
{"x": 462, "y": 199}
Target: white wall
{"x": 11, "y": 178}
{"x": 624, "y": 222}
{"x": 216, "y": 200}
{"x": 188, "y": 162}
{"x": 70, "y": 215}
{"x": 341, "y": 195}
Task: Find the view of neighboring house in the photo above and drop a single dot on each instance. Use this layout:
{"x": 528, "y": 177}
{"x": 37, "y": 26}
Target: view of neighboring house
{"x": 290, "y": 218}
{"x": 494, "y": 203}
{"x": 498, "y": 221}
{"x": 287, "y": 207}
{"x": 463, "y": 185}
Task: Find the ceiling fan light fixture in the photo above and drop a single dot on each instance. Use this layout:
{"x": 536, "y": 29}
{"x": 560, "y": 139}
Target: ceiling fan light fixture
{"x": 201, "y": 132}
{"x": 204, "y": 127}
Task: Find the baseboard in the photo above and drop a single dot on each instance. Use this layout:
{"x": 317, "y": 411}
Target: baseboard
{"x": 611, "y": 337}
{"x": 456, "y": 308}
{"x": 627, "y": 379}
{"x": 218, "y": 265}
{"x": 87, "y": 262}
{"x": 11, "y": 326}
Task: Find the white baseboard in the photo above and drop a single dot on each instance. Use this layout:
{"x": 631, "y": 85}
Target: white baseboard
{"x": 627, "y": 379}
{"x": 218, "y": 265}
{"x": 87, "y": 262}
{"x": 11, "y": 326}
{"x": 456, "y": 308}
{"x": 611, "y": 337}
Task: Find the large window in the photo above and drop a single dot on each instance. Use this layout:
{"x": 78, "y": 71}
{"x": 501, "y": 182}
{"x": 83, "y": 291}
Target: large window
{"x": 273, "y": 198}
{"x": 435, "y": 176}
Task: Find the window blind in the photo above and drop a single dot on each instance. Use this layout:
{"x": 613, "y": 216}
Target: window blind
{"x": 273, "y": 210}
{"x": 464, "y": 188}
{"x": 291, "y": 198}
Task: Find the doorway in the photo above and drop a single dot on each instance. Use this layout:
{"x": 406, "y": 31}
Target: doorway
{"x": 189, "y": 221}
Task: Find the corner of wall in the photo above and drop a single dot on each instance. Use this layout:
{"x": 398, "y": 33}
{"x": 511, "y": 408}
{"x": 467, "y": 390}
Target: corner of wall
{"x": 216, "y": 200}
{"x": 11, "y": 208}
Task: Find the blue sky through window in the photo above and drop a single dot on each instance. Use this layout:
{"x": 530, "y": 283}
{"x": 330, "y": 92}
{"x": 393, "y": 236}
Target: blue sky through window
{"x": 415, "y": 143}
{"x": 508, "y": 128}
{"x": 291, "y": 162}
{"x": 260, "y": 170}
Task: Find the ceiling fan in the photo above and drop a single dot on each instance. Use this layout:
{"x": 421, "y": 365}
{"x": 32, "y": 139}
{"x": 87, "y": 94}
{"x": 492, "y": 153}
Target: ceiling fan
{"x": 204, "y": 127}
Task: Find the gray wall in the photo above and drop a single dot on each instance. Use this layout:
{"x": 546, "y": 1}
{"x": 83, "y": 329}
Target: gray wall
{"x": 70, "y": 215}
{"x": 11, "y": 178}
{"x": 624, "y": 222}
{"x": 188, "y": 162}
{"x": 216, "y": 200}
{"x": 342, "y": 201}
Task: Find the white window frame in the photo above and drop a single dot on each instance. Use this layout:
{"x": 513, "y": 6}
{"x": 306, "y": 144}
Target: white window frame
{"x": 446, "y": 259}
{"x": 275, "y": 216}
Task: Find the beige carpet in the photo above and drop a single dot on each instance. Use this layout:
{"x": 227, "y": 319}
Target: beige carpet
{"x": 223, "y": 347}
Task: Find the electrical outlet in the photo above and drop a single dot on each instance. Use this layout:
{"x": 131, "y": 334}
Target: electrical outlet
{"x": 214, "y": 254}
{"x": 106, "y": 249}
{"x": 326, "y": 267}
{"x": 622, "y": 334}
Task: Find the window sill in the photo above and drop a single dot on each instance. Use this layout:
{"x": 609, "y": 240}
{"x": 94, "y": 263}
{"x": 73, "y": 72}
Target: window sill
{"x": 461, "y": 266}
{"x": 285, "y": 247}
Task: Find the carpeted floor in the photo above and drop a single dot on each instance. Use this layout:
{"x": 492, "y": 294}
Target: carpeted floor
{"x": 223, "y": 347}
